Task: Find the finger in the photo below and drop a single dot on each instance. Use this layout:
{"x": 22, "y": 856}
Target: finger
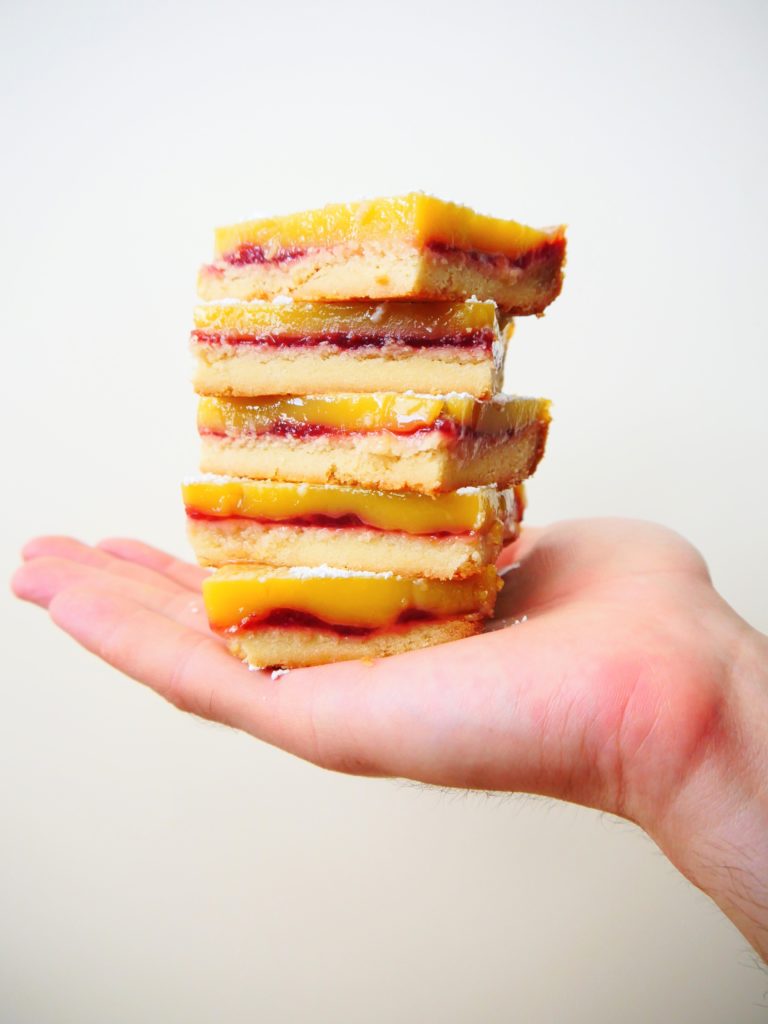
{"x": 190, "y": 669}
{"x": 531, "y": 568}
{"x": 41, "y": 579}
{"x": 598, "y": 548}
{"x": 158, "y": 561}
{"x": 520, "y": 547}
{"x": 84, "y": 554}
{"x": 525, "y": 539}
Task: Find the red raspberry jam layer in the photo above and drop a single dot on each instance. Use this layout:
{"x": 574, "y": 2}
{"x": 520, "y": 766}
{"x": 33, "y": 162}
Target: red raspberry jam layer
{"x": 291, "y": 428}
{"x": 482, "y": 340}
{"x": 256, "y": 254}
{"x": 288, "y": 619}
{"x": 247, "y": 254}
{"x": 346, "y": 522}
{"x": 545, "y": 253}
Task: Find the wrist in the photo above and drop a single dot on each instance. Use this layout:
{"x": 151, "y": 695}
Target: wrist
{"x": 715, "y": 830}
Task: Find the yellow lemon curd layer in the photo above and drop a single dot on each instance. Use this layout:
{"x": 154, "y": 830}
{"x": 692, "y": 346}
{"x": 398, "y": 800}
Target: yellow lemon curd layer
{"x": 472, "y": 509}
{"x": 382, "y": 410}
{"x": 242, "y": 595}
{"x": 431, "y": 320}
{"x": 415, "y": 218}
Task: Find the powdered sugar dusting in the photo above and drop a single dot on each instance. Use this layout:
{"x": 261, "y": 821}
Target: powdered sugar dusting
{"x": 277, "y": 300}
{"x": 329, "y": 572}
{"x": 447, "y": 395}
{"x": 232, "y": 302}
{"x": 492, "y": 625}
{"x": 274, "y": 673}
{"x": 212, "y": 478}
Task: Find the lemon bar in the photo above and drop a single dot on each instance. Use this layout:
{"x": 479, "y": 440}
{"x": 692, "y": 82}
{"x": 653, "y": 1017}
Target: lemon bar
{"x": 440, "y": 536}
{"x": 407, "y": 247}
{"x": 289, "y": 617}
{"x": 303, "y": 348}
{"x": 385, "y": 440}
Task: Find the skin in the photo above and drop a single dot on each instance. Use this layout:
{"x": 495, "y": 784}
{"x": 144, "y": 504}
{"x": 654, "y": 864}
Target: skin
{"x": 629, "y": 686}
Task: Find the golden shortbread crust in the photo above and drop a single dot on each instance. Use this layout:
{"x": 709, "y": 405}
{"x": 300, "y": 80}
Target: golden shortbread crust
{"x": 444, "y": 557}
{"x": 376, "y": 271}
{"x": 382, "y": 460}
{"x": 289, "y": 647}
{"x": 253, "y": 371}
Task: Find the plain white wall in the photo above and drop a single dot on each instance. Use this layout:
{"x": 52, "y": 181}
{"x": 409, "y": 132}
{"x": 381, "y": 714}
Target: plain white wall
{"x": 158, "y": 869}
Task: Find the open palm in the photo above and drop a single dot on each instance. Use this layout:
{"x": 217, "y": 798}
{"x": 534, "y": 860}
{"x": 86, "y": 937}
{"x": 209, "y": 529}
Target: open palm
{"x": 596, "y": 682}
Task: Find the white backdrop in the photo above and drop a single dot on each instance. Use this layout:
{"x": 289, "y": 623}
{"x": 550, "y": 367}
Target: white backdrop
{"x": 159, "y": 869}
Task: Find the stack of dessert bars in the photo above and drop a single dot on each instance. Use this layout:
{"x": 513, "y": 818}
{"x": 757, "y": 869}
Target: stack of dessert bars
{"x": 361, "y": 470}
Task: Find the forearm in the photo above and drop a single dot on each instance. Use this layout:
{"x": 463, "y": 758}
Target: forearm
{"x": 716, "y": 829}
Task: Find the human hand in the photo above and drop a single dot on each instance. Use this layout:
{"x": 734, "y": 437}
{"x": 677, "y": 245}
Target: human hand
{"x": 614, "y": 676}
